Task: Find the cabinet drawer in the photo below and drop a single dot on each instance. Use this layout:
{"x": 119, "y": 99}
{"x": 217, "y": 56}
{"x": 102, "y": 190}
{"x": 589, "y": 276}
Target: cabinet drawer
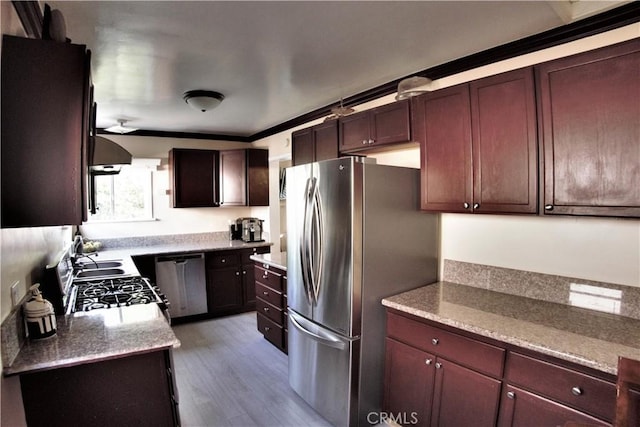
{"x": 271, "y": 331}
{"x": 466, "y": 351}
{"x": 269, "y": 278}
{"x": 223, "y": 260}
{"x": 268, "y": 310}
{"x": 587, "y": 393}
{"x": 269, "y": 295}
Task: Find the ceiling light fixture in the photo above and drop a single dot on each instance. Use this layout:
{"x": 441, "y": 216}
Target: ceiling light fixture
{"x": 203, "y": 100}
{"x": 120, "y": 127}
{"x": 409, "y": 87}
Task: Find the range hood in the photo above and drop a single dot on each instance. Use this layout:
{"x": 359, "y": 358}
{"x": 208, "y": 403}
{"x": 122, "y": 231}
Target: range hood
{"x": 107, "y": 156}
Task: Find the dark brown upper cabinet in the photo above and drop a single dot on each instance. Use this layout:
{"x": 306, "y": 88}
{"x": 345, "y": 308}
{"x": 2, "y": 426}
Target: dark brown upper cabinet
{"x": 590, "y": 132}
{"x": 45, "y": 128}
{"x": 244, "y": 177}
{"x": 479, "y": 145}
{"x": 370, "y": 129}
{"x": 316, "y": 143}
{"x": 193, "y": 177}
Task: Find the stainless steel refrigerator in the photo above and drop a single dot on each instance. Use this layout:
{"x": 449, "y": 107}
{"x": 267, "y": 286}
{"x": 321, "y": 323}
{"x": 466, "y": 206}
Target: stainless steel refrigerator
{"x": 355, "y": 235}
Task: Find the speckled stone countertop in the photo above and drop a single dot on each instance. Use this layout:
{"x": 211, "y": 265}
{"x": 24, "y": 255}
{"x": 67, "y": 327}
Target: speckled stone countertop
{"x": 178, "y": 247}
{"x": 578, "y": 335}
{"x": 277, "y": 260}
{"x": 96, "y": 336}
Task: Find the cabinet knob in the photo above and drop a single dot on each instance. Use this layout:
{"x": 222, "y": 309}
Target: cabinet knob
{"x": 265, "y": 266}
{"x": 237, "y": 273}
{"x": 266, "y": 309}
{"x": 428, "y": 361}
{"x": 438, "y": 365}
{"x": 244, "y": 271}
{"x": 364, "y": 142}
{"x": 267, "y": 329}
{"x": 223, "y": 260}
{"x": 576, "y": 391}
{"x": 466, "y": 205}
{"x": 371, "y": 141}
{"x": 476, "y": 205}
{"x": 265, "y": 293}
{"x": 511, "y": 395}
{"x": 435, "y": 341}
{"x": 548, "y": 207}
{"x": 264, "y": 276}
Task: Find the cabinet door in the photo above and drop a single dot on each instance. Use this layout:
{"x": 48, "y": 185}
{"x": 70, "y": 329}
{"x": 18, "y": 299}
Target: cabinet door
{"x": 233, "y": 181}
{"x": 193, "y": 177}
{"x": 354, "y": 132}
{"x": 249, "y": 285}
{"x": 224, "y": 290}
{"x": 463, "y": 397}
{"x": 257, "y": 187}
{"x": 504, "y": 143}
{"x": 590, "y": 130}
{"x": 44, "y": 124}
{"x": 390, "y": 123}
{"x": 442, "y": 125}
{"x": 521, "y": 408}
{"x": 325, "y": 138}
{"x": 409, "y": 379}
{"x": 302, "y": 150}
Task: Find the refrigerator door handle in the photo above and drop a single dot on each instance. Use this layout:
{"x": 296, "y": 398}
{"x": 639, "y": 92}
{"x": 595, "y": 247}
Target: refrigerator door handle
{"x": 316, "y": 240}
{"x": 303, "y": 245}
{"x": 322, "y": 336}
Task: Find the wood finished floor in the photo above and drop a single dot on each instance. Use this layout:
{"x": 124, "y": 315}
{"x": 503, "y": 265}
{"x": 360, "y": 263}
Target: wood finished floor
{"x": 228, "y": 375}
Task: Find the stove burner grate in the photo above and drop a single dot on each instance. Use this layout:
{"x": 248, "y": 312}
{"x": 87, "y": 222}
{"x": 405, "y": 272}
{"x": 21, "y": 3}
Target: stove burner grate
{"x": 110, "y": 293}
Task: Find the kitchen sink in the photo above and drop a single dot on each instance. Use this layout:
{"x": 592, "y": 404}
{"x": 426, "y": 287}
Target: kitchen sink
{"x": 100, "y": 272}
{"x": 88, "y": 265}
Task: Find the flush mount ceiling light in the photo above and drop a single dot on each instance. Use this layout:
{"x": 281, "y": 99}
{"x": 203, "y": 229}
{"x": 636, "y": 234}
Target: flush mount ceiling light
{"x": 120, "y": 127}
{"x": 203, "y": 100}
{"x": 409, "y": 87}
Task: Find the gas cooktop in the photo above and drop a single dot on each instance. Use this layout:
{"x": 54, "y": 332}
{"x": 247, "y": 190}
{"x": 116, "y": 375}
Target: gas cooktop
{"x": 111, "y": 293}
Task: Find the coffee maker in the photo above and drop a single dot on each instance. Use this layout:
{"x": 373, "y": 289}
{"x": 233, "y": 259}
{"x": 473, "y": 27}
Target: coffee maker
{"x": 247, "y": 229}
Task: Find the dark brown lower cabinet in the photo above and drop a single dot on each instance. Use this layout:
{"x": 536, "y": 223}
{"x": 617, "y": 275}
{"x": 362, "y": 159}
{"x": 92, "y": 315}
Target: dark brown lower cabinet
{"x": 270, "y": 287}
{"x": 137, "y": 391}
{"x": 441, "y": 376}
{"x": 424, "y": 390}
{"x": 522, "y": 408}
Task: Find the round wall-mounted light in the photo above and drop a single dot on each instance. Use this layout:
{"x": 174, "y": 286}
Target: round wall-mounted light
{"x": 203, "y": 100}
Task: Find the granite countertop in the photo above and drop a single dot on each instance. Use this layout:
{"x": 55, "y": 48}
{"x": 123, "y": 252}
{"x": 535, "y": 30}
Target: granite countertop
{"x": 586, "y": 337}
{"x": 95, "y": 336}
{"x": 178, "y": 247}
{"x": 277, "y": 260}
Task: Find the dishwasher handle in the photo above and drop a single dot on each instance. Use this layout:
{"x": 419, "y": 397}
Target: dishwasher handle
{"x": 179, "y": 259}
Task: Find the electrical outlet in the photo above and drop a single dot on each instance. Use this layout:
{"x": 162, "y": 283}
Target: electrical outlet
{"x": 14, "y": 293}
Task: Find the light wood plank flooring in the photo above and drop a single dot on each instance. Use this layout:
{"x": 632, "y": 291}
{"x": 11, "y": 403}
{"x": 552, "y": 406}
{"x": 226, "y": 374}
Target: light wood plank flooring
{"x": 228, "y": 375}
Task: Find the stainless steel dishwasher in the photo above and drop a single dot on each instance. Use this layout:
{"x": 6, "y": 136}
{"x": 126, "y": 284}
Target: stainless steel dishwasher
{"x": 182, "y": 279}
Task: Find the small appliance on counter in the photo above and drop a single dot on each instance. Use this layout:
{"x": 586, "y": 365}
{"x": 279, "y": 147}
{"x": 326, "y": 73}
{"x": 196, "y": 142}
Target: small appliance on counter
{"x": 39, "y": 315}
{"x": 247, "y": 229}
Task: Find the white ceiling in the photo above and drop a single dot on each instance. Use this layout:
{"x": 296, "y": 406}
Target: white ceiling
{"x": 275, "y": 61}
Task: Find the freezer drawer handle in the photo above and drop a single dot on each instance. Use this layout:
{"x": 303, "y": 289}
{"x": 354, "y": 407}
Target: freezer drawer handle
{"x": 326, "y": 338}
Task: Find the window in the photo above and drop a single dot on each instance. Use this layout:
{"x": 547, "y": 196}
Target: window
{"x": 126, "y": 196}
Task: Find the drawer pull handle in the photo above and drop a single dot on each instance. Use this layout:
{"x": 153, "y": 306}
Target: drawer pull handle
{"x": 266, "y": 309}
{"x": 265, "y": 276}
{"x": 428, "y": 361}
{"x": 511, "y": 395}
{"x": 576, "y": 391}
{"x": 267, "y": 329}
{"x": 435, "y": 341}
{"x": 265, "y": 293}
{"x": 438, "y": 365}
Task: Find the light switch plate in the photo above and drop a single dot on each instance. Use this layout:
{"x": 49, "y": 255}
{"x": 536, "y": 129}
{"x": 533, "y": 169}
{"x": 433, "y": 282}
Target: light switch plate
{"x": 14, "y": 293}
